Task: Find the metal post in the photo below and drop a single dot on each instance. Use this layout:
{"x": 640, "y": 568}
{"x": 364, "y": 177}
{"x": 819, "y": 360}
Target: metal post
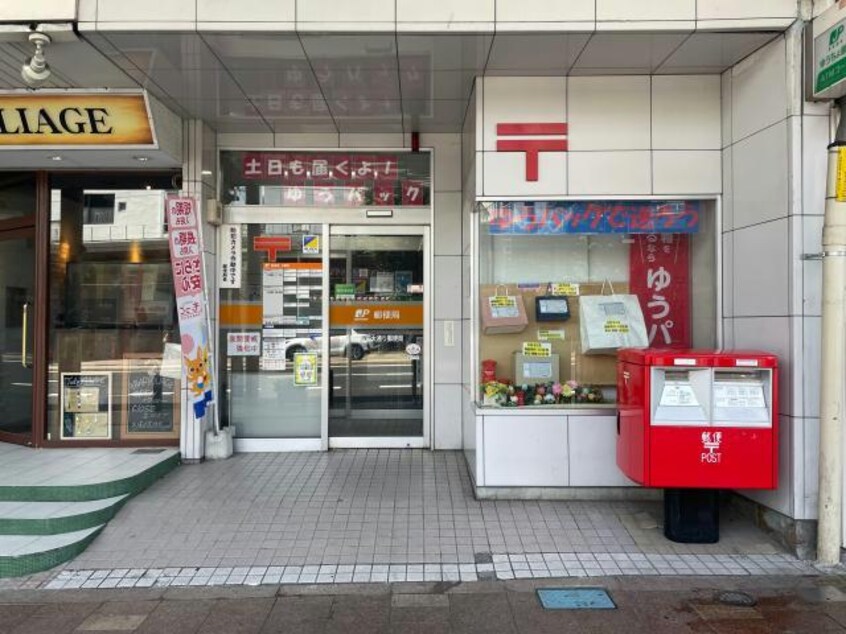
{"x": 833, "y": 365}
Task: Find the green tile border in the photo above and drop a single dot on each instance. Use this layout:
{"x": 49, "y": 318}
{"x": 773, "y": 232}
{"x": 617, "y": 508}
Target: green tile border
{"x": 62, "y": 524}
{"x": 17, "y": 566}
{"x": 87, "y": 492}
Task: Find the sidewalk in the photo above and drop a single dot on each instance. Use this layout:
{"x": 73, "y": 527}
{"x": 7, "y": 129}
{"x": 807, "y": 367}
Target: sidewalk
{"x": 644, "y": 604}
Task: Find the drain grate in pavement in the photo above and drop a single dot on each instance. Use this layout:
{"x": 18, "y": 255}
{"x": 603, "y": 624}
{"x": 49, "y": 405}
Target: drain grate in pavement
{"x": 737, "y": 599}
{"x": 575, "y": 599}
{"x": 148, "y": 451}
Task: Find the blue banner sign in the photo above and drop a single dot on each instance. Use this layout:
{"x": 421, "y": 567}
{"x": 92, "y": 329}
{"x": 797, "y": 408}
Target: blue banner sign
{"x": 581, "y": 217}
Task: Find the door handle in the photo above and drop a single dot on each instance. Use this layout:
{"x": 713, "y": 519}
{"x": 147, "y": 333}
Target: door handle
{"x": 24, "y": 317}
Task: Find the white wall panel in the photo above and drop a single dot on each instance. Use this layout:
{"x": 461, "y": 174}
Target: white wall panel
{"x": 593, "y": 452}
{"x": 759, "y": 90}
{"x": 246, "y": 11}
{"x": 686, "y": 172}
{"x": 447, "y": 220}
{"x": 447, "y": 403}
{"x": 545, "y": 11}
{"x": 524, "y": 450}
{"x": 686, "y": 112}
{"x": 610, "y": 173}
{"x": 761, "y": 269}
{"x": 608, "y": 113}
{"x": 626, "y": 10}
{"x": 771, "y": 334}
{"x": 760, "y": 178}
{"x": 505, "y": 174}
{"x": 148, "y": 11}
{"x": 521, "y": 100}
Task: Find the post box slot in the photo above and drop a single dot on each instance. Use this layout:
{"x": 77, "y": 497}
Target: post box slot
{"x": 681, "y": 397}
{"x": 742, "y": 397}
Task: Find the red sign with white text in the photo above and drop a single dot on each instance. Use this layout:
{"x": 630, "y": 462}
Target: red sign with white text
{"x": 335, "y": 178}
{"x": 659, "y": 274}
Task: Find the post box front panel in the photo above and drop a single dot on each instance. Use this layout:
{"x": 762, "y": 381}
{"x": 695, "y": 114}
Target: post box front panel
{"x": 712, "y": 457}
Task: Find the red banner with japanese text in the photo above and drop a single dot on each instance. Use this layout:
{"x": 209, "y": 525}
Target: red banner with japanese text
{"x": 186, "y": 253}
{"x": 659, "y": 274}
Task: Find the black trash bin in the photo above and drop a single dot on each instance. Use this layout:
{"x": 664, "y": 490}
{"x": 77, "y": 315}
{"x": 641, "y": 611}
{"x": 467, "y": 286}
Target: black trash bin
{"x": 692, "y": 516}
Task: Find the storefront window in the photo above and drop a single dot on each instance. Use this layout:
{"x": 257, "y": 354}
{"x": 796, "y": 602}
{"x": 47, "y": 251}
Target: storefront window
{"x": 112, "y": 320}
{"x": 564, "y": 285}
{"x": 271, "y": 319}
{"x": 326, "y": 179}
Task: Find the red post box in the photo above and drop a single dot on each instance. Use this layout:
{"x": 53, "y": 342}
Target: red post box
{"x": 705, "y": 419}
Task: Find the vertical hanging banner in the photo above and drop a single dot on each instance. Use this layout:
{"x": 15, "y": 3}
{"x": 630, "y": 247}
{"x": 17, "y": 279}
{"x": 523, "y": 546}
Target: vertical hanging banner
{"x": 660, "y": 277}
{"x": 186, "y": 257}
{"x": 230, "y": 256}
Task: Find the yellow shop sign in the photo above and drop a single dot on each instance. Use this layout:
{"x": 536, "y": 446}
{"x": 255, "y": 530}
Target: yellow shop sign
{"x": 68, "y": 119}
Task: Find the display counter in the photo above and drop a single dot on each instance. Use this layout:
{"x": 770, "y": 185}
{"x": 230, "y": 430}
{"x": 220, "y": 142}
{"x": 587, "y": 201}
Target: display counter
{"x": 561, "y": 286}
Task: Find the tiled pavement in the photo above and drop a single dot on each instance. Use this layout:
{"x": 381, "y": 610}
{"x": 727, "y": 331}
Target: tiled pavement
{"x": 384, "y": 515}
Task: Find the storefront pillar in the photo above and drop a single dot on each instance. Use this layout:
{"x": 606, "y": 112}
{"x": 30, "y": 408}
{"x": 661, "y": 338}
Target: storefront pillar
{"x": 198, "y": 178}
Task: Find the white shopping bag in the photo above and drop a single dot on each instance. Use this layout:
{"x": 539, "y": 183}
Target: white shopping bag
{"x": 610, "y": 322}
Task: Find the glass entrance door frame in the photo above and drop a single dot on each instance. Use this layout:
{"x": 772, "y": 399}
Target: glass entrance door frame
{"x": 388, "y": 442}
{"x": 412, "y": 221}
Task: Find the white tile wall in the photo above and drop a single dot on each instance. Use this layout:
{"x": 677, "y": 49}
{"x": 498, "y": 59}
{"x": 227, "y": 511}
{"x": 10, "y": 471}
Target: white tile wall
{"x": 506, "y": 101}
{"x": 686, "y": 112}
{"x": 747, "y": 9}
{"x": 610, "y": 173}
{"x": 771, "y": 334}
{"x": 811, "y": 338}
{"x": 545, "y": 11}
{"x": 505, "y": 174}
{"x": 728, "y": 275}
{"x": 807, "y": 504}
{"x": 815, "y": 138}
{"x": 447, "y": 229}
{"x": 761, "y": 270}
{"x": 371, "y": 12}
{"x": 686, "y": 172}
{"x": 447, "y": 167}
{"x": 759, "y": 90}
{"x": 447, "y": 293}
{"x": 447, "y": 358}
{"x": 780, "y": 499}
{"x": 150, "y": 11}
{"x": 245, "y": 10}
{"x": 728, "y": 189}
{"x": 447, "y": 405}
{"x": 725, "y": 107}
{"x": 445, "y": 11}
{"x": 760, "y": 176}
{"x": 659, "y": 10}
{"x": 608, "y": 113}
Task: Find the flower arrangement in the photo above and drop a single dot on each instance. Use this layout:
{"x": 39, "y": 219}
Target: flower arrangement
{"x": 504, "y": 394}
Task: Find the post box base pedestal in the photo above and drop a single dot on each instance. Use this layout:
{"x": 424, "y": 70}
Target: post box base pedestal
{"x": 692, "y": 516}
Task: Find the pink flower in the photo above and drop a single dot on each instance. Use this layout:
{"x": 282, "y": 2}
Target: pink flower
{"x": 556, "y": 389}
{"x": 573, "y": 383}
{"x": 541, "y": 390}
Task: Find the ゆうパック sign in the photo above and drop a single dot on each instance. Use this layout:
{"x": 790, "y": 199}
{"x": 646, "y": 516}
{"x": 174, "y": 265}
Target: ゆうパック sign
{"x": 69, "y": 119}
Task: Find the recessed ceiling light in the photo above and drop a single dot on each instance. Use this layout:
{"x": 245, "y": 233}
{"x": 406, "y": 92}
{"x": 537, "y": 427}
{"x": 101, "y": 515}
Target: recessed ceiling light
{"x": 141, "y": 159}
{"x": 56, "y": 157}
{"x": 206, "y": 172}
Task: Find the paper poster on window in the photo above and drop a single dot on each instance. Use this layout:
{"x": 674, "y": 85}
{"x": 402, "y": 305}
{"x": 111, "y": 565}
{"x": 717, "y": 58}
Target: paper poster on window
{"x": 86, "y": 405}
{"x": 230, "y": 256}
{"x": 305, "y": 368}
{"x": 243, "y": 344}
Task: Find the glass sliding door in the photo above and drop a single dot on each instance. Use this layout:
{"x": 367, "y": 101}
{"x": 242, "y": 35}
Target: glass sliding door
{"x": 271, "y": 337}
{"x": 377, "y": 354}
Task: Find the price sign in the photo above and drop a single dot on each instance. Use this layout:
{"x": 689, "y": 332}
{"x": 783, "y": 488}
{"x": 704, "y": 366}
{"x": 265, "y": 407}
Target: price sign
{"x": 564, "y": 288}
{"x": 537, "y": 349}
{"x": 503, "y": 306}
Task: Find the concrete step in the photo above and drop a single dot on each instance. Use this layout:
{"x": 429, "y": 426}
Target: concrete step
{"x": 26, "y": 554}
{"x": 52, "y": 518}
